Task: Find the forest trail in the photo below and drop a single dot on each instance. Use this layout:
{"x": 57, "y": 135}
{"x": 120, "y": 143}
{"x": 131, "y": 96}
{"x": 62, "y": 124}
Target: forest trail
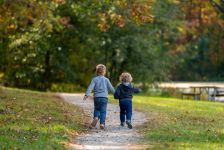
{"x": 114, "y": 136}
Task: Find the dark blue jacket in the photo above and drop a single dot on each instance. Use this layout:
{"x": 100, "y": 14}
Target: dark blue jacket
{"x": 125, "y": 91}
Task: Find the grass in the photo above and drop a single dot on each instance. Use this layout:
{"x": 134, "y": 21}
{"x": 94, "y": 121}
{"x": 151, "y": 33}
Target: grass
{"x": 182, "y": 124}
{"x": 35, "y": 120}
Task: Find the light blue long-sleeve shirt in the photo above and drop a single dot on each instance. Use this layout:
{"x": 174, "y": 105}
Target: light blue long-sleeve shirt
{"x": 100, "y": 86}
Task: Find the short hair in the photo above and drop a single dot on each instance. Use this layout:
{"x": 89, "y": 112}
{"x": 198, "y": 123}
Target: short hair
{"x": 100, "y": 69}
{"x": 126, "y": 77}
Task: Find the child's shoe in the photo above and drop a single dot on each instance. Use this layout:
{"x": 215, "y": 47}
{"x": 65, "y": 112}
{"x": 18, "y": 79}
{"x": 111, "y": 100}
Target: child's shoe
{"x": 122, "y": 124}
{"x": 129, "y": 124}
{"x": 94, "y": 122}
{"x": 102, "y": 126}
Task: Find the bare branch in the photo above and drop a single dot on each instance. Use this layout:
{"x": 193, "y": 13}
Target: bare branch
{"x": 217, "y": 5}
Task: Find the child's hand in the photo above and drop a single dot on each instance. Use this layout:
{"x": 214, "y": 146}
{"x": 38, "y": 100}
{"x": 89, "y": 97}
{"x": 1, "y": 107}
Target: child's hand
{"x": 85, "y": 97}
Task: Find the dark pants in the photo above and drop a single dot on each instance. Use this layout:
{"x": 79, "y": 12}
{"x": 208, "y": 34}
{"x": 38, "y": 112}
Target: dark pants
{"x": 125, "y": 110}
{"x": 100, "y": 108}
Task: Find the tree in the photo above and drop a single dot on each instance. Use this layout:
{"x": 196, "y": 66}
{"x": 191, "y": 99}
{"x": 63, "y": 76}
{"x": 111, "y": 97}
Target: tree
{"x": 202, "y": 42}
{"x": 32, "y": 53}
{"x": 219, "y": 5}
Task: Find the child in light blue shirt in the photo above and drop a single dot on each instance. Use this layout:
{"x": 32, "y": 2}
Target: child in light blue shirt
{"x": 100, "y": 85}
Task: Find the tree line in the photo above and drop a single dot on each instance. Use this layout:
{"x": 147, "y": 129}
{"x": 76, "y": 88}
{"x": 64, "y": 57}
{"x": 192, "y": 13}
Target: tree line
{"x": 60, "y": 41}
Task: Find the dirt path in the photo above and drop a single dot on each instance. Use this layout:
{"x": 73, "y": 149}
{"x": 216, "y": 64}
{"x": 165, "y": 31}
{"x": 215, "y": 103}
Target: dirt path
{"x": 114, "y": 136}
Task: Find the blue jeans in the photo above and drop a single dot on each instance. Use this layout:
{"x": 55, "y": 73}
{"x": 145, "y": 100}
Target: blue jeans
{"x": 125, "y": 110}
{"x": 100, "y": 108}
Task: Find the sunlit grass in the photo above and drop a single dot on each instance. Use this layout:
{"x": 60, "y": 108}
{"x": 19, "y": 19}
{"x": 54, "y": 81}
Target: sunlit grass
{"x": 34, "y": 120}
{"x": 181, "y": 124}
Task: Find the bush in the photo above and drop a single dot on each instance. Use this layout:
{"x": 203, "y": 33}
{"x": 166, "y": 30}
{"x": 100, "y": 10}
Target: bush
{"x": 164, "y": 92}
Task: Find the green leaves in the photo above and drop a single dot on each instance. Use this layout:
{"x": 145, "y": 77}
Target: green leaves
{"x": 45, "y": 42}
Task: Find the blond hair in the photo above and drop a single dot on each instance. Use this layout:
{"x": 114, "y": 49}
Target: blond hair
{"x": 126, "y": 77}
{"x": 100, "y": 69}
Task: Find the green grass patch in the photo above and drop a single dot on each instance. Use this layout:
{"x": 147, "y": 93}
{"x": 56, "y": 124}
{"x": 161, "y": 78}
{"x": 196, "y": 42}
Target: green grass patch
{"x": 35, "y": 120}
{"x": 182, "y": 124}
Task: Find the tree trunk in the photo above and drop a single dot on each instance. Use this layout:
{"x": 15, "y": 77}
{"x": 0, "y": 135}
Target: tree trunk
{"x": 47, "y": 72}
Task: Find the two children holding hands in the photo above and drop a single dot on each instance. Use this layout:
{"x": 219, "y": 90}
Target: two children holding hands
{"x": 100, "y": 85}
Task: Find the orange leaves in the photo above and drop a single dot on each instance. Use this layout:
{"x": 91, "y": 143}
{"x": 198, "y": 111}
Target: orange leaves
{"x": 123, "y": 12}
{"x": 107, "y": 18}
{"x": 221, "y": 23}
{"x": 200, "y": 12}
{"x": 122, "y": 4}
{"x": 118, "y": 20}
{"x": 208, "y": 15}
{"x": 103, "y": 25}
{"x": 141, "y": 12}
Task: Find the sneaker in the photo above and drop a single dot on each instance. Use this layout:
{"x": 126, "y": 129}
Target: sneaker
{"x": 129, "y": 124}
{"x": 122, "y": 124}
{"x": 94, "y": 122}
{"x": 102, "y": 126}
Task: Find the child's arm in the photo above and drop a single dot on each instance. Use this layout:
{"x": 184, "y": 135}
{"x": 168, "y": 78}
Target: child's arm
{"x": 117, "y": 93}
{"x": 136, "y": 90}
{"x": 89, "y": 90}
{"x": 110, "y": 86}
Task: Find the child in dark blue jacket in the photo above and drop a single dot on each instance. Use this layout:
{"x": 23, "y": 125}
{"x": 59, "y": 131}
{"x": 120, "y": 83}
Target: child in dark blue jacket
{"x": 124, "y": 93}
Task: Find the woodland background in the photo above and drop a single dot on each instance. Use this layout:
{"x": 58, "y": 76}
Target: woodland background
{"x": 55, "y": 44}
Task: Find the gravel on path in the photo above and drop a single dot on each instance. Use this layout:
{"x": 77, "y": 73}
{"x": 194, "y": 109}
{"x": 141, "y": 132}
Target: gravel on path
{"x": 114, "y": 137}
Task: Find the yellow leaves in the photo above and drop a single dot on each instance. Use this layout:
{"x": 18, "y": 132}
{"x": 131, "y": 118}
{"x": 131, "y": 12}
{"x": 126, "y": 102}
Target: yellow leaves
{"x": 141, "y": 12}
{"x": 123, "y": 11}
{"x": 200, "y": 13}
{"x": 11, "y": 26}
{"x": 118, "y": 20}
{"x": 105, "y": 18}
{"x": 122, "y": 3}
{"x": 208, "y": 15}
{"x": 103, "y": 25}
{"x": 181, "y": 29}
